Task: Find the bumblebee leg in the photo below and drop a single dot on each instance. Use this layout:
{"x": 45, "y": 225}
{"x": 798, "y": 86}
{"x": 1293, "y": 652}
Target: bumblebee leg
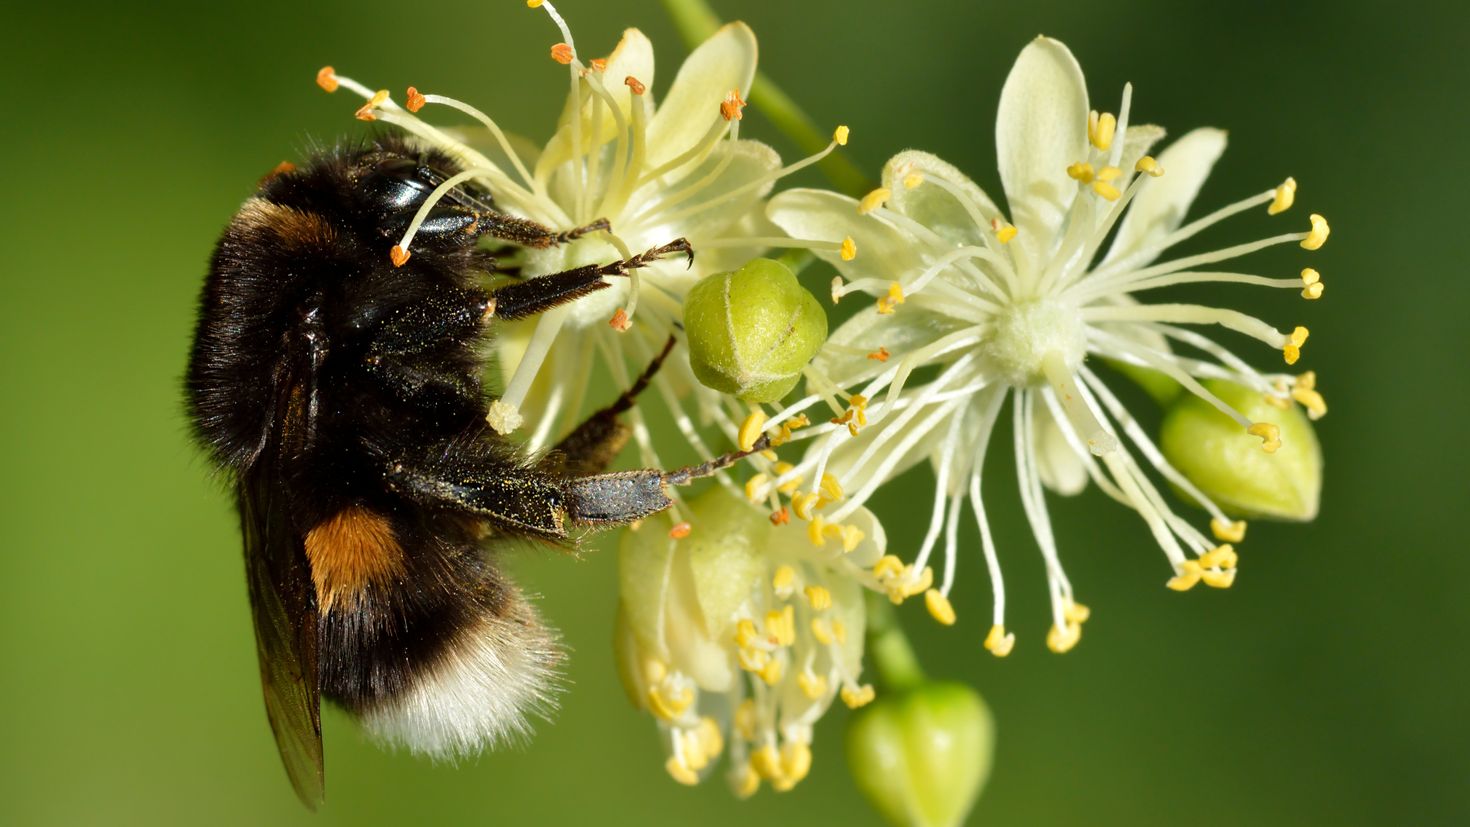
{"x": 529, "y": 233}
{"x": 596, "y": 442}
{"x": 393, "y": 354}
{"x": 514, "y": 499}
{"x": 631, "y": 495}
{"x": 537, "y": 295}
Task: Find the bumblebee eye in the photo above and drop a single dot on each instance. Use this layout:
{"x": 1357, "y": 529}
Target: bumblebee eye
{"x": 399, "y": 184}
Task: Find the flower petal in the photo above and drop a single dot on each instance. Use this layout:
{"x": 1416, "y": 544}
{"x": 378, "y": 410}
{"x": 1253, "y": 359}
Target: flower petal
{"x": 1040, "y": 129}
{"x": 724, "y": 62}
{"x": 936, "y": 207}
{"x": 737, "y": 164}
{"x": 632, "y": 57}
{"x": 1058, "y": 465}
{"x": 883, "y": 250}
{"x": 1159, "y": 207}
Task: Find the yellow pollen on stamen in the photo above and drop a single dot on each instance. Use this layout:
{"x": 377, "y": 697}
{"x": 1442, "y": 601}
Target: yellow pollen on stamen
{"x": 1218, "y": 579}
{"x": 873, "y": 200}
{"x": 755, "y": 488}
{"x": 895, "y": 297}
{"x": 848, "y": 252}
{"x": 1270, "y": 436}
{"x": 562, "y": 53}
{"x": 913, "y": 179}
{"x": 1003, "y": 232}
{"x": 1285, "y": 197}
{"x": 782, "y": 625}
{"x": 939, "y": 607}
{"x": 634, "y": 85}
{"x": 1106, "y": 190}
{"x": 1076, "y": 612}
{"x": 1228, "y": 532}
{"x": 816, "y": 531}
{"x": 1188, "y": 575}
{"x": 836, "y": 289}
{"x": 1062, "y": 639}
{"x": 839, "y": 135}
{"x": 1149, "y": 166}
{"x": 780, "y": 516}
{"x": 831, "y": 488}
{"x": 1292, "y": 350}
{"x": 858, "y": 696}
{"x": 747, "y": 784}
{"x": 533, "y": 4}
{"x": 1310, "y": 399}
{"x": 766, "y": 762}
{"x": 1311, "y": 284}
{"x": 620, "y": 321}
{"x": 750, "y": 429}
{"x": 1081, "y": 172}
{"x": 365, "y": 112}
{"x": 822, "y": 631}
{"x": 783, "y": 580}
{"x": 803, "y": 504}
{"x": 783, "y": 436}
{"x": 771, "y": 672}
{"x": 819, "y": 598}
{"x": 668, "y": 705}
{"x": 1100, "y": 129}
{"x": 1000, "y": 642}
{"x": 796, "y": 761}
{"x": 851, "y": 536}
{"x": 744, "y": 720}
{"x": 781, "y": 469}
{"x": 681, "y": 772}
{"x": 1220, "y": 557}
{"x": 326, "y": 78}
{"x": 1318, "y": 234}
{"x": 812, "y": 686}
{"x": 839, "y": 631}
{"x": 732, "y": 104}
{"x": 398, "y": 256}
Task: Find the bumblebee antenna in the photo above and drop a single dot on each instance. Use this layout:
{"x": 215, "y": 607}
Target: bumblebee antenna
{"x": 689, "y": 474}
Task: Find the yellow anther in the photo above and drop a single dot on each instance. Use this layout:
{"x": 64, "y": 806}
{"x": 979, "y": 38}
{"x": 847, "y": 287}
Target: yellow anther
{"x": 768, "y": 454}
{"x": 849, "y": 249}
{"x": 831, "y": 488}
{"x": 746, "y": 633}
{"x": 999, "y": 641}
{"x": 836, "y": 289}
{"x": 1318, "y": 234}
{"x": 1299, "y": 335}
{"x": 750, "y": 429}
{"x": 888, "y": 566}
{"x": 856, "y": 696}
{"x": 1109, "y": 174}
{"x": 1312, "y": 286}
{"x": 787, "y": 487}
{"x": 1149, "y": 166}
{"x": 1062, "y": 639}
{"x": 1228, "y": 532}
{"x": 873, "y": 200}
{"x": 668, "y": 705}
{"x": 1081, "y": 172}
{"x": 895, "y": 297}
{"x": 781, "y": 625}
{"x": 1106, "y": 190}
{"x": 1307, "y": 381}
{"x": 752, "y": 660}
{"x": 1277, "y": 402}
{"x": 819, "y": 597}
{"x": 533, "y": 4}
{"x": 1313, "y": 401}
{"x": 839, "y": 631}
{"x": 654, "y": 670}
{"x": 851, "y": 536}
{"x": 326, "y": 78}
{"x": 939, "y": 607}
{"x": 1285, "y": 197}
{"x": 710, "y": 739}
{"x": 771, "y": 672}
{"x": 1220, "y": 557}
{"x": 731, "y": 106}
{"x": 1187, "y": 575}
{"x": 681, "y": 771}
{"x": 1292, "y": 350}
{"x": 757, "y": 487}
{"x": 839, "y": 135}
{"x": 803, "y": 504}
{"x": 1075, "y": 612}
{"x": 812, "y": 686}
{"x": 366, "y": 111}
{"x": 796, "y": 761}
{"x": 746, "y": 783}
{"x": 1218, "y": 579}
{"x": 562, "y": 53}
{"x": 1100, "y": 129}
{"x": 1003, "y": 232}
{"x": 766, "y": 761}
{"x": 783, "y": 582}
{"x": 822, "y": 631}
{"x": 913, "y": 179}
{"x": 816, "y": 531}
{"x": 783, "y": 436}
{"x": 1270, "y": 436}
{"x": 745, "y": 719}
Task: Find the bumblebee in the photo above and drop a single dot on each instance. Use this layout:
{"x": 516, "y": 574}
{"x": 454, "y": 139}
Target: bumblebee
{"x": 339, "y": 390}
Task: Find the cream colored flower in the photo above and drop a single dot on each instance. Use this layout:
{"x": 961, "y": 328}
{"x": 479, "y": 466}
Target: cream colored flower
{"x": 979, "y": 310}
{"x": 734, "y": 630}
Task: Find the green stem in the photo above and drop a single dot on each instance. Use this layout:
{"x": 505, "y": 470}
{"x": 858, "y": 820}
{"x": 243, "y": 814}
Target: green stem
{"x": 696, "y": 21}
{"x": 888, "y": 648}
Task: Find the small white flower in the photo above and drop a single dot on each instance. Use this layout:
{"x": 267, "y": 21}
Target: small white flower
{"x": 733, "y": 629}
{"x": 998, "y": 309}
{"x": 655, "y": 173}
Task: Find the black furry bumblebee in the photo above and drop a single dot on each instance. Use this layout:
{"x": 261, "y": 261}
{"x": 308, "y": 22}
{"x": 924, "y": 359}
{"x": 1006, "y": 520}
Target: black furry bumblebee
{"x": 340, "y": 393}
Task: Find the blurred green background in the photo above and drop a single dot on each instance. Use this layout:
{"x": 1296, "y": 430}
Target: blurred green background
{"x": 1328, "y": 687}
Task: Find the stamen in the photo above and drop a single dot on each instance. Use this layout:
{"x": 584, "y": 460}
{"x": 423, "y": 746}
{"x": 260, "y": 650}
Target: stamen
{"x": 1100, "y": 129}
{"x": 634, "y": 85}
{"x": 751, "y": 428}
{"x": 1003, "y": 232}
{"x": 895, "y": 297}
{"x": 939, "y": 607}
{"x": 874, "y": 200}
{"x": 413, "y": 99}
{"x": 1318, "y": 235}
{"x": 1148, "y": 165}
{"x": 999, "y": 641}
{"x": 1228, "y": 532}
{"x": 680, "y": 531}
{"x": 732, "y": 104}
{"x": 365, "y": 112}
{"x": 1283, "y": 198}
{"x": 879, "y": 355}
{"x": 1081, "y": 172}
{"x": 1311, "y": 284}
{"x": 858, "y": 696}
{"x": 839, "y": 135}
{"x": 1188, "y": 574}
{"x": 848, "y": 252}
{"x": 326, "y": 78}
{"x": 1292, "y": 350}
{"x": 1270, "y": 436}
{"x": 620, "y": 321}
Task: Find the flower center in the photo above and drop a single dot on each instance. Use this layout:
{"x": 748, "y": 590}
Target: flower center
{"x": 1024, "y": 335}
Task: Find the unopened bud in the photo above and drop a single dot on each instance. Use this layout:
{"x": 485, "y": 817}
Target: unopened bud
{"x": 922, "y": 756}
{"x": 1228, "y": 465}
{"x": 751, "y": 332}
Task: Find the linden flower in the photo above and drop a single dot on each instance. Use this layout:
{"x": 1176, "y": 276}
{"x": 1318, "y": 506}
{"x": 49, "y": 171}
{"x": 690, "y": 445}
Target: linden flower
{"x": 733, "y": 629}
{"x": 654, "y": 173}
{"x": 1007, "y": 308}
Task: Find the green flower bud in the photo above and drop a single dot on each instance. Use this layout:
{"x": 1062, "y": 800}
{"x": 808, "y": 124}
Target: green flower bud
{"x": 1228, "y": 464}
{"x": 922, "y": 756}
{"x": 752, "y": 331}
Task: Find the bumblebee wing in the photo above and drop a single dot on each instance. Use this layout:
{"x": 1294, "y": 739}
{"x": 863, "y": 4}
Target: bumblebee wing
{"x": 284, "y": 607}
